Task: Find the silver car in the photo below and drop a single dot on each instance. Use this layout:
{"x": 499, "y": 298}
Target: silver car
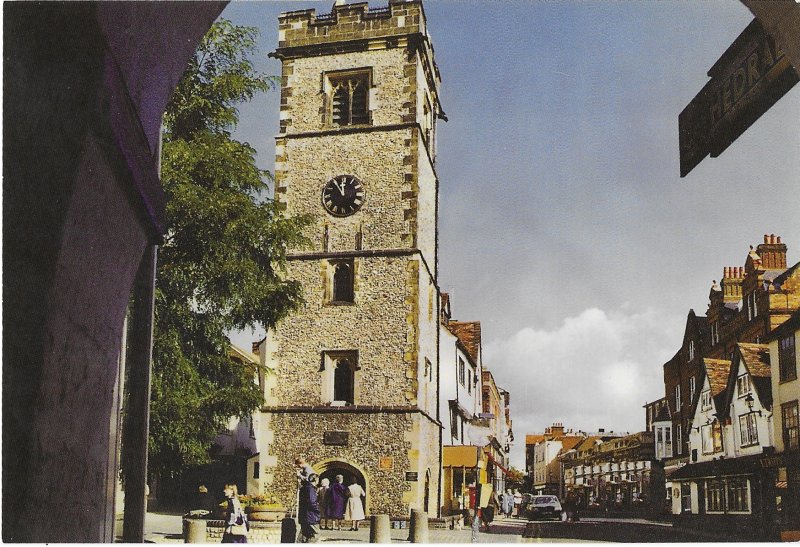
{"x": 544, "y": 507}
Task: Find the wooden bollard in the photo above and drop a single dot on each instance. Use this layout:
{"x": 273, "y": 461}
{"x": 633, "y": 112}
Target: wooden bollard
{"x": 419, "y": 526}
{"x": 379, "y": 529}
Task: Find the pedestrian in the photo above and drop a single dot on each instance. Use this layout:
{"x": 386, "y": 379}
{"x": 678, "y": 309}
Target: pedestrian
{"x": 236, "y": 522}
{"x": 355, "y": 508}
{"x": 517, "y": 502}
{"x": 308, "y": 510}
{"x": 508, "y": 503}
{"x": 337, "y": 500}
{"x": 303, "y": 469}
{"x": 323, "y": 499}
{"x": 476, "y": 524}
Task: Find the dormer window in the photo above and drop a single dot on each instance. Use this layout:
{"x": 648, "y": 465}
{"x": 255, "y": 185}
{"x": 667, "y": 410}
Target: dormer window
{"x": 743, "y": 385}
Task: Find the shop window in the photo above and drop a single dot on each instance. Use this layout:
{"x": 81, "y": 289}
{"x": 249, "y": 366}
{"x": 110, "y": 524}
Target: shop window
{"x": 686, "y": 497}
{"x": 715, "y": 496}
{"x": 738, "y": 495}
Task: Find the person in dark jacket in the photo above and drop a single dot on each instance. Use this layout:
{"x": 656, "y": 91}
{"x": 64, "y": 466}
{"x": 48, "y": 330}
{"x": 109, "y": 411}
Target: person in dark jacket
{"x": 308, "y": 510}
{"x": 337, "y": 498}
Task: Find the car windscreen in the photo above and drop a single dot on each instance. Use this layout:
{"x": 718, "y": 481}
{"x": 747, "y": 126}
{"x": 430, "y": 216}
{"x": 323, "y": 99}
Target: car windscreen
{"x": 544, "y": 500}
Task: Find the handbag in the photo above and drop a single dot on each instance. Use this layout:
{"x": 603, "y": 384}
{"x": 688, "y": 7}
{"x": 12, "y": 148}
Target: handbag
{"x": 241, "y": 527}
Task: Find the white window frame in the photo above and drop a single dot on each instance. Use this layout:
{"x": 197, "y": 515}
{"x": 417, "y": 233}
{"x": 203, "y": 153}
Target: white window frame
{"x": 748, "y": 430}
{"x": 743, "y": 385}
{"x": 691, "y": 350}
{"x": 679, "y": 440}
{"x": 705, "y": 400}
{"x": 678, "y": 397}
{"x": 692, "y": 385}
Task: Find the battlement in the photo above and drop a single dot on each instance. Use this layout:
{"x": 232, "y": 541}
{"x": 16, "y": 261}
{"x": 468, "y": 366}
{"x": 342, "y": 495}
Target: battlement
{"x": 350, "y": 22}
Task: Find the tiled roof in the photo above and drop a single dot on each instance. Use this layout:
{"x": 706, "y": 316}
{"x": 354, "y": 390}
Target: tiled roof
{"x": 568, "y": 443}
{"x": 470, "y": 335}
{"x": 533, "y": 439}
{"x": 790, "y": 272}
{"x": 756, "y": 359}
{"x": 717, "y": 371}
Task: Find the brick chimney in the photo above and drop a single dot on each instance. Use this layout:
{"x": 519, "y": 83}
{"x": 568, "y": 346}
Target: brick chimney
{"x": 732, "y": 277}
{"x": 557, "y": 430}
{"x": 772, "y": 253}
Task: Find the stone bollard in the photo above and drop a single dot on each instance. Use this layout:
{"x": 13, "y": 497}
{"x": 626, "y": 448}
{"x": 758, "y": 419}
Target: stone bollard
{"x": 194, "y": 531}
{"x": 379, "y": 529}
{"x": 419, "y": 526}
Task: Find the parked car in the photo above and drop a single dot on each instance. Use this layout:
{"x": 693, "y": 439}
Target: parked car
{"x": 544, "y": 507}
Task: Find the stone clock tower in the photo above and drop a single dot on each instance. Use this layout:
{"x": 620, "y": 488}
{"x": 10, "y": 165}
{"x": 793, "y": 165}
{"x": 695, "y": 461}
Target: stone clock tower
{"x": 355, "y": 381}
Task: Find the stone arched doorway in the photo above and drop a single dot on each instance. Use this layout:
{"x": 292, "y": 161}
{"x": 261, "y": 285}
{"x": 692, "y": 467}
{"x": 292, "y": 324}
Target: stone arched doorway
{"x": 329, "y": 469}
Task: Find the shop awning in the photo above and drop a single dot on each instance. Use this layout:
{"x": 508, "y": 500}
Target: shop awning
{"x": 745, "y": 465}
{"x": 460, "y": 456}
{"x": 503, "y": 469}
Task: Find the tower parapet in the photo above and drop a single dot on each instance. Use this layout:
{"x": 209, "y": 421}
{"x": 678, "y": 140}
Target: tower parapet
{"x": 350, "y": 22}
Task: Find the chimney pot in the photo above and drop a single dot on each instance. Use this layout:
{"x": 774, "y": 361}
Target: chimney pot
{"x": 766, "y": 239}
{"x": 778, "y": 239}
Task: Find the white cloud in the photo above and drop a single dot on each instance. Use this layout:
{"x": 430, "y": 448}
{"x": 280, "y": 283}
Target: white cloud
{"x": 595, "y": 370}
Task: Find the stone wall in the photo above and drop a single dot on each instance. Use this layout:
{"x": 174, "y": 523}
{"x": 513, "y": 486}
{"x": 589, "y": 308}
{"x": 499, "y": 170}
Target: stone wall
{"x": 371, "y": 436}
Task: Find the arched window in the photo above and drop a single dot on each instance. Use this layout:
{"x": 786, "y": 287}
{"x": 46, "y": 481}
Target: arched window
{"x": 343, "y": 282}
{"x": 344, "y": 381}
{"x": 339, "y": 377}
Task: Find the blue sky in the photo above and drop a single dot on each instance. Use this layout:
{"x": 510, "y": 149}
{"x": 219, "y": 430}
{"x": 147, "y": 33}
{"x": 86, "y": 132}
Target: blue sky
{"x": 565, "y": 228}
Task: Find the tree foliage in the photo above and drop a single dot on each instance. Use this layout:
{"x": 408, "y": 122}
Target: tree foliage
{"x": 221, "y": 262}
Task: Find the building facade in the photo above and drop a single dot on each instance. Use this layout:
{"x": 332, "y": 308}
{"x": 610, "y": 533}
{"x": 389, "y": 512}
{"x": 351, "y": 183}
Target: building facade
{"x": 356, "y": 367}
{"x": 782, "y": 469}
{"x": 618, "y": 473}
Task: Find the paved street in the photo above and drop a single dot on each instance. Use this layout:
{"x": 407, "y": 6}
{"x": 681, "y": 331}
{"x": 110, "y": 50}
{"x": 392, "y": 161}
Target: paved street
{"x": 167, "y": 528}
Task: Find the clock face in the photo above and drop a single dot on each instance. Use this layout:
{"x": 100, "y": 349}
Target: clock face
{"x": 343, "y": 195}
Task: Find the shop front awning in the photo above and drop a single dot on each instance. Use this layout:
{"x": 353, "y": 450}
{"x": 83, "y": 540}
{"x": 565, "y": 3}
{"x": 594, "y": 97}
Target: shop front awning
{"x": 746, "y": 465}
{"x": 460, "y": 456}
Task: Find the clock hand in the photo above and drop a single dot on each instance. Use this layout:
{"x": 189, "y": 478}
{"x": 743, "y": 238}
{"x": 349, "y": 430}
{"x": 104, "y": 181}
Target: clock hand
{"x": 340, "y": 186}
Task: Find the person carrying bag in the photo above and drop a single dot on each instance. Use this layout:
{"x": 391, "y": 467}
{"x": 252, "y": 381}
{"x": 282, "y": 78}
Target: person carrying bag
{"x": 236, "y": 527}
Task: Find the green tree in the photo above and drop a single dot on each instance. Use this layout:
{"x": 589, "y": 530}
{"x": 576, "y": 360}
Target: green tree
{"x": 221, "y": 262}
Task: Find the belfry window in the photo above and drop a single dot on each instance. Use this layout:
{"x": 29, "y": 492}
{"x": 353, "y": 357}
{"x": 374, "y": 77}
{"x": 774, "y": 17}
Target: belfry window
{"x": 349, "y": 98}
